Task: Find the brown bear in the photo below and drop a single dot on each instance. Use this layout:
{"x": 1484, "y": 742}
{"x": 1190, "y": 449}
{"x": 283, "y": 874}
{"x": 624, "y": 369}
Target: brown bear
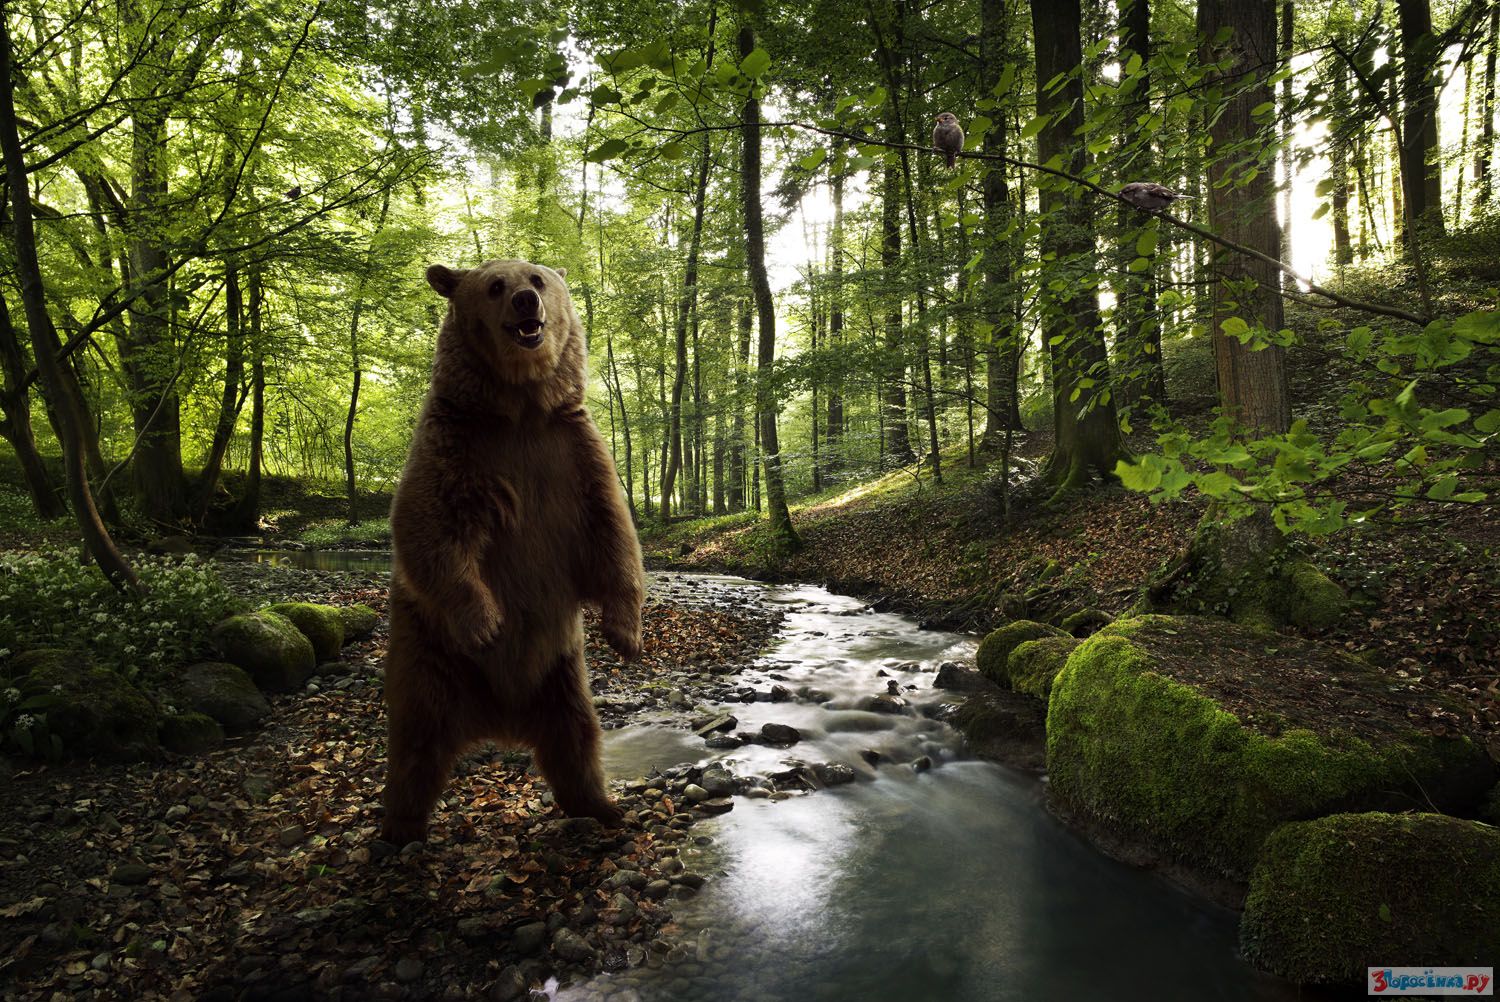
{"x": 507, "y": 520}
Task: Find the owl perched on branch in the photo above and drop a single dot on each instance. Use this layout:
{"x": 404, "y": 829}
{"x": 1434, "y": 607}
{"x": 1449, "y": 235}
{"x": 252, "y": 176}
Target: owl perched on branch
{"x": 1149, "y": 195}
{"x": 948, "y": 137}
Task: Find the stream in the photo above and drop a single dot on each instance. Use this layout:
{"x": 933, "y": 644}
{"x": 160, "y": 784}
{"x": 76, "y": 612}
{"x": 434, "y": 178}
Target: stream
{"x": 948, "y": 883}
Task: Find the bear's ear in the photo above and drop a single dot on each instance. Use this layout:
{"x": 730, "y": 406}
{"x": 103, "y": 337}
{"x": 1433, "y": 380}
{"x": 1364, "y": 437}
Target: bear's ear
{"x": 444, "y": 280}
{"x": 562, "y": 272}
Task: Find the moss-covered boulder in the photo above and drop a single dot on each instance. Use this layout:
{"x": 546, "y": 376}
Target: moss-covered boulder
{"x": 994, "y": 650}
{"x": 1336, "y": 895}
{"x": 359, "y": 621}
{"x": 1033, "y": 665}
{"x": 221, "y": 691}
{"x": 269, "y": 647}
{"x": 1312, "y": 600}
{"x": 321, "y": 624}
{"x": 1193, "y": 739}
{"x": 93, "y": 712}
{"x": 190, "y": 733}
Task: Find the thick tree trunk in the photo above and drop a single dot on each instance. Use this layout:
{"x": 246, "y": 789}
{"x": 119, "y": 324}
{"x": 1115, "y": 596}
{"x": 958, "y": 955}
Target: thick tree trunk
{"x": 765, "y": 309}
{"x": 1087, "y": 430}
{"x": 1252, "y": 384}
{"x": 96, "y": 539}
{"x": 1284, "y": 115}
{"x": 1421, "y": 168}
{"x": 897, "y": 444}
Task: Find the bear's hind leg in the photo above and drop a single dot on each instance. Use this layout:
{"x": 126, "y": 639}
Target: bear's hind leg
{"x": 424, "y": 742}
{"x": 566, "y": 740}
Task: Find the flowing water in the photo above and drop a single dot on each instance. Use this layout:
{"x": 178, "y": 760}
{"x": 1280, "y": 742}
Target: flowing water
{"x": 951, "y": 884}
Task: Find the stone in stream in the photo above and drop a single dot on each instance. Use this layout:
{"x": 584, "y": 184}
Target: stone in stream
{"x": 922, "y": 764}
{"x": 833, "y": 773}
{"x": 780, "y": 735}
{"x": 884, "y": 703}
{"x": 568, "y": 945}
{"x": 703, "y": 727}
{"x": 723, "y": 741}
{"x": 718, "y": 805}
{"x": 695, "y": 793}
{"x": 871, "y": 756}
{"x": 717, "y": 780}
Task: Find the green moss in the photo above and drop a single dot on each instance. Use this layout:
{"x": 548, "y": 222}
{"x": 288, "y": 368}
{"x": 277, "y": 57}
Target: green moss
{"x": 1033, "y": 665}
{"x": 92, "y": 711}
{"x": 1161, "y": 764}
{"x": 994, "y": 650}
{"x": 190, "y": 733}
{"x": 359, "y": 621}
{"x": 268, "y": 646}
{"x": 1312, "y": 600}
{"x": 321, "y": 624}
{"x": 221, "y": 691}
{"x": 1086, "y": 621}
{"x": 1331, "y": 897}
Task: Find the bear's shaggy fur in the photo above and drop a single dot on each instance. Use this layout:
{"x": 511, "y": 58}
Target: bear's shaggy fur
{"x": 507, "y": 520}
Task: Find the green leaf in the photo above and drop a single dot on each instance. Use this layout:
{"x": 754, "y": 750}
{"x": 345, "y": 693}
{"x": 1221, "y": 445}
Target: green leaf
{"x": 607, "y": 150}
{"x": 1143, "y": 476}
{"x": 813, "y": 160}
{"x": 1264, "y": 108}
{"x": 1145, "y": 244}
{"x": 1217, "y": 484}
{"x": 1034, "y": 126}
{"x": 1235, "y": 327}
{"x": 755, "y": 64}
{"x": 1140, "y": 264}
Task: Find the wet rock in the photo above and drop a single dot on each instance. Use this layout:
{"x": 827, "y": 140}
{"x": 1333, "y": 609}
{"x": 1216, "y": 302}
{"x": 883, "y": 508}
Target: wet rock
{"x": 695, "y": 793}
{"x": 633, "y": 879}
{"x": 711, "y": 725}
{"x": 871, "y": 756}
{"x": 408, "y": 969}
{"x": 780, "y": 694}
{"x": 723, "y": 742}
{"x": 657, "y": 889}
{"x": 568, "y": 945}
{"x": 884, "y": 703}
{"x": 510, "y": 984}
{"x": 717, "y": 780}
{"x": 718, "y": 805}
{"x": 624, "y": 909}
{"x": 834, "y": 773}
{"x": 130, "y": 874}
{"x": 922, "y": 764}
{"x": 780, "y": 735}
{"x": 956, "y": 678}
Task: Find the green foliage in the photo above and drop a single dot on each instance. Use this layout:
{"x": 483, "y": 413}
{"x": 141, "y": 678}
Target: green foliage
{"x": 52, "y": 600}
{"x": 1400, "y": 438}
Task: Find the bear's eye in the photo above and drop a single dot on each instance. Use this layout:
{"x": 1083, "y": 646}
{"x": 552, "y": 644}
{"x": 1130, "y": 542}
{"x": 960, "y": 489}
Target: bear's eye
{"x": 497, "y": 287}
{"x": 536, "y": 280}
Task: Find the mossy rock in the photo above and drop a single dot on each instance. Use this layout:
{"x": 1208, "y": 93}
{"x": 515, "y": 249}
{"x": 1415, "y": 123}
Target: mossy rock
{"x": 359, "y": 621}
{"x": 269, "y": 647}
{"x": 1336, "y": 895}
{"x": 93, "y": 712}
{"x": 1033, "y": 665}
{"x": 994, "y": 650}
{"x": 24, "y": 663}
{"x": 1143, "y": 740}
{"x": 321, "y": 624}
{"x": 1312, "y": 599}
{"x": 190, "y": 733}
{"x": 1086, "y": 621}
{"x": 221, "y": 691}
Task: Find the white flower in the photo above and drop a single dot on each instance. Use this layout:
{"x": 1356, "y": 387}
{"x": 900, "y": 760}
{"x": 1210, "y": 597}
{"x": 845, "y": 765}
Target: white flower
{"x": 25, "y": 721}
{"x": 57, "y": 689}
{"x": 12, "y": 695}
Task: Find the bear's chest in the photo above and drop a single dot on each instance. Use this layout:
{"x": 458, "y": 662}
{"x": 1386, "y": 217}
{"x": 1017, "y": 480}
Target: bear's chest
{"x": 533, "y": 469}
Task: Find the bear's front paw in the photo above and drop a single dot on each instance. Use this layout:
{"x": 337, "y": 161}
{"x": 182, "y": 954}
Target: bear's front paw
{"x": 475, "y": 623}
{"x": 622, "y": 629}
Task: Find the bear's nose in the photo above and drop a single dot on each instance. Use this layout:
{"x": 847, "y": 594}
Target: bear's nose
{"x": 526, "y": 302}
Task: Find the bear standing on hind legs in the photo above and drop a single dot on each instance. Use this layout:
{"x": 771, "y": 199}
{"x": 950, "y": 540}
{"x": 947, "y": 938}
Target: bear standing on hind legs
{"x": 507, "y": 520}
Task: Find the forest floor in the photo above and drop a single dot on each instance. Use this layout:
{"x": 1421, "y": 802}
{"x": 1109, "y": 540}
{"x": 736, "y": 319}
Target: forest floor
{"x": 255, "y": 871}
{"x": 1425, "y": 590}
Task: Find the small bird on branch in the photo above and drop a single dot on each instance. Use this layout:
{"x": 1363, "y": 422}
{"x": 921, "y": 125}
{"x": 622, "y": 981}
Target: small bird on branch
{"x": 948, "y": 137}
{"x": 294, "y": 192}
{"x": 1149, "y": 195}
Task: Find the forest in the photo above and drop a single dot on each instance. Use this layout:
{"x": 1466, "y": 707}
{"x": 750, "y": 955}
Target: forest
{"x": 1096, "y": 391}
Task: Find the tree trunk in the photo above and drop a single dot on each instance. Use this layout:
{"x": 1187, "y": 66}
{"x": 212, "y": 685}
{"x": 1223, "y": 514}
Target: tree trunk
{"x": 1252, "y": 384}
{"x": 1484, "y": 157}
{"x": 1421, "y": 167}
{"x": 737, "y": 434}
{"x": 96, "y": 539}
{"x": 686, "y": 306}
{"x": 351, "y": 490}
{"x": 835, "y": 422}
{"x": 765, "y": 309}
{"x": 1139, "y": 325}
{"x": 1087, "y": 431}
{"x": 230, "y": 400}
{"x": 1002, "y": 340}
{"x": 1343, "y": 124}
{"x": 246, "y": 514}
{"x": 1284, "y": 116}
{"x": 15, "y": 424}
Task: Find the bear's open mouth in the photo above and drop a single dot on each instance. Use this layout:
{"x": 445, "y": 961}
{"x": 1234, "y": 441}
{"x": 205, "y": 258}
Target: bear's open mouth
{"x": 527, "y": 333}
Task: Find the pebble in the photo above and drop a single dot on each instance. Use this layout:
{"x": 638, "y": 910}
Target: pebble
{"x": 290, "y": 836}
{"x": 922, "y": 764}
{"x": 177, "y": 812}
{"x": 695, "y": 793}
{"x": 509, "y": 985}
{"x": 568, "y": 945}
{"x": 717, "y": 780}
{"x": 528, "y": 939}
{"x": 130, "y": 874}
{"x": 780, "y": 735}
{"x": 408, "y": 969}
{"x": 834, "y": 773}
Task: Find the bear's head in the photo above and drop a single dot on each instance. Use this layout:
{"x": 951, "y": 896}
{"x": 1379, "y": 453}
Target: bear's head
{"x": 511, "y": 327}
